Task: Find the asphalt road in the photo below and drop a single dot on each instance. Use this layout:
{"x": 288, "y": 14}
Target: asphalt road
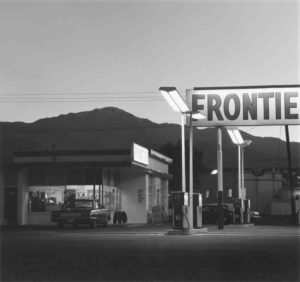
{"x": 141, "y": 254}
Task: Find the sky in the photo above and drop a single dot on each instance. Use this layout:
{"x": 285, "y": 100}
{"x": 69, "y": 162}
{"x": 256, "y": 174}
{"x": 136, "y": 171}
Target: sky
{"x": 58, "y": 57}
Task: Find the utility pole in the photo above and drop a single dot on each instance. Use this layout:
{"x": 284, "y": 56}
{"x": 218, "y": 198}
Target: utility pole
{"x": 288, "y": 147}
{"x": 220, "y": 181}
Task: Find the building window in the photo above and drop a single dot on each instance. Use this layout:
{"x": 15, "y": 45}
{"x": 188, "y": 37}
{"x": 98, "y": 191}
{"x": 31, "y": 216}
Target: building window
{"x": 45, "y": 198}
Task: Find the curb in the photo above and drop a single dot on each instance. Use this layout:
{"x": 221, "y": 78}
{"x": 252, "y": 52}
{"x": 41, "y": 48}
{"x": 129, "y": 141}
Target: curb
{"x": 186, "y": 232}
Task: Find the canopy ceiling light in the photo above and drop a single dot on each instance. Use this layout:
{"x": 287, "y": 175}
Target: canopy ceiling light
{"x": 174, "y": 99}
{"x": 235, "y": 136}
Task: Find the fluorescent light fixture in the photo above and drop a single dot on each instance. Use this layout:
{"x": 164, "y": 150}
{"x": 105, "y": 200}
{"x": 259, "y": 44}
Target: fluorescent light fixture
{"x": 170, "y": 101}
{"x": 174, "y": 99}
{"x": 198, "y": 116}
{"x": 238, "y": 136}
{"x": 232, "y": 137}
{"x": 247, "y": 143}
{"x": 235, "y": 136}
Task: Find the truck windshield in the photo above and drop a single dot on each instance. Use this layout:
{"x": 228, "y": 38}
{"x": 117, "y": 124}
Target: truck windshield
{"x": 78, "y": 204}
{"x": 83, "y": 204}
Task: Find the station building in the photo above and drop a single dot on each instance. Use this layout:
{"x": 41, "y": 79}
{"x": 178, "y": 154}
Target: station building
{"x": 134, "y": 180}
{"x": 267, "y": 189}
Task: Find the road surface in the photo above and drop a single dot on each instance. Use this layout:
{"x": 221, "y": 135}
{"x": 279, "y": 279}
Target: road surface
{"x": 141, "y": 254}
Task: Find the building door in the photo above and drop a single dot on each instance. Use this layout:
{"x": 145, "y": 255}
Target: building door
{"x": 10, "y": 205}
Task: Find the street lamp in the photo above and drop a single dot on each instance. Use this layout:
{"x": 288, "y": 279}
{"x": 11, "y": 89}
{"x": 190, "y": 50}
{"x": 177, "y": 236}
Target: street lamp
{"x": 179, "y": 105}
{"x": 237, "y": 139}
{"x": 246, "y": 144}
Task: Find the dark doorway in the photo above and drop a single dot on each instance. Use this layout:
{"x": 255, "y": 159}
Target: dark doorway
{"x": 10, "y": 205}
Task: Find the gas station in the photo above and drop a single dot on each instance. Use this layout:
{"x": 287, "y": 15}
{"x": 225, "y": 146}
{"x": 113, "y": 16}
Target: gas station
{"x": 228, "y": 107}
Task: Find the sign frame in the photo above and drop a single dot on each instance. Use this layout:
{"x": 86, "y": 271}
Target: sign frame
{"x": 245, "y": 105}
{"x": 140, "y": 154}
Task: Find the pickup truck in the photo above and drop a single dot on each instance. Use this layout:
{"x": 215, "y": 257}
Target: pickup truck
{"x": 81, "y": 211}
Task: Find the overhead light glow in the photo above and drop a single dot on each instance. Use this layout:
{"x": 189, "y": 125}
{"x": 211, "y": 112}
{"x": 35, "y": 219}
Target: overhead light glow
{"x": 238, "y": 136}
{"x": 170, "y": 101}
{"x": 235, "y": 136}
{"x": 198, "y": 116}
{"x": 174, "y": 99}
{"x": 247, "y": 143}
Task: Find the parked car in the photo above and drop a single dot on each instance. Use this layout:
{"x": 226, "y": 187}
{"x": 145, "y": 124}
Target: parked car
{"x": 210, "y": 213}
{"x": 81, "y": 211}
{"x": 255, "y": 217}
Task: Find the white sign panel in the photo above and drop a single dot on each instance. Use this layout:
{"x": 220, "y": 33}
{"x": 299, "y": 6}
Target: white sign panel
{"x": 140, "y": 154}
{"x": 241, "y": 106}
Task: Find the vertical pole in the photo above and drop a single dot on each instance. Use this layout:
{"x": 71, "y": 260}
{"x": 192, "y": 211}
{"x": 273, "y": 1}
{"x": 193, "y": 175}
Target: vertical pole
{"x": 242, "y": 174}
{"x": 191, "y": 174}
{"x": 220, "y": 181}
{"x": 293, "y": 208}
{"x": 147, "y": 198}
{"x": 240, "y": 195}
{"x": 239, "y": 172}
{"x": 183, "y": 154}
{"x": 2, "y": 195}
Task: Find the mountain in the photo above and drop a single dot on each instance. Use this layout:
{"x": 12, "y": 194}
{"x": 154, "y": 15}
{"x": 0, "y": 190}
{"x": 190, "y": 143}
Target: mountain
{"x": 110, "y": 128}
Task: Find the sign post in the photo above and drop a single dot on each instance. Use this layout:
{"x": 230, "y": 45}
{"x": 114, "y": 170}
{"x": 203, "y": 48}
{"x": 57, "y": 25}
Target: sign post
{"x": 244, "y": 106}
{"x": 220, "y": 181}
{"x": 247, "y": 105}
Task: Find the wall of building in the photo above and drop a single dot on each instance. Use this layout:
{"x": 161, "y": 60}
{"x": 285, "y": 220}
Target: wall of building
{"x": 135, "y": 189}
{"x": 1, "y": 196}
{"x": 281, "y": 208}
{"x": 158, "y": 165}
{"x": 262, "y": 189}
{"x": 43, "y": 218}
{"x": 133, "y": 194}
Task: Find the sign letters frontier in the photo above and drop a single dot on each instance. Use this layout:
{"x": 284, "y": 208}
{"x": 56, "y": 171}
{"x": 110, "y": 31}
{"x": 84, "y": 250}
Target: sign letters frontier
{"x": 248, "y": 105}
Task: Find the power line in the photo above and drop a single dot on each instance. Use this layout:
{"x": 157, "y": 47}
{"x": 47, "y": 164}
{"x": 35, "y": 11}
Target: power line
{"x": 84, "y": 93}
{"x": 79, "y": 97}
{"x": 77, "y": 101}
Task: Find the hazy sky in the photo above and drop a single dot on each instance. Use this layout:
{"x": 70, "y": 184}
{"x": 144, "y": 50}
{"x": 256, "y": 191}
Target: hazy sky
{"x": 58, "y": 57}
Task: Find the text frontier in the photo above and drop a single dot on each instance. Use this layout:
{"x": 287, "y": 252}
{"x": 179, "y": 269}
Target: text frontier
{"x": 246, "y": 106}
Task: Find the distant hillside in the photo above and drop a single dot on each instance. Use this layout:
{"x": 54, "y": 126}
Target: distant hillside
{"x": 110, "y": 127}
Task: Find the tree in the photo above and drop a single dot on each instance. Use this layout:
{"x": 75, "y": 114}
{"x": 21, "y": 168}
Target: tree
{"x": 174, "y": 152}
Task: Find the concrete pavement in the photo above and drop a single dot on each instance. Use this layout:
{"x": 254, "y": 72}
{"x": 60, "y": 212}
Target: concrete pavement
{"x": 145, "y": 253}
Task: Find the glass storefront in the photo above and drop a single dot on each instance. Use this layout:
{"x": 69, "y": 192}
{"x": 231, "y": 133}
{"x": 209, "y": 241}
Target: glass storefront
{"x": 49, "y": 198}
{"x": 45, "y": 198}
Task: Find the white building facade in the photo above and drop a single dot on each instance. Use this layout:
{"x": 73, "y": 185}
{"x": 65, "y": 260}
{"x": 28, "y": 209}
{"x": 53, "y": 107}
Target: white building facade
{"x": 133, "y": 180}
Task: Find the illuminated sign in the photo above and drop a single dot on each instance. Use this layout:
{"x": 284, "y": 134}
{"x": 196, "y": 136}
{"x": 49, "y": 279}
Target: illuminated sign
{"x": 240, "y": 106}
{"x": 140, "y": 154}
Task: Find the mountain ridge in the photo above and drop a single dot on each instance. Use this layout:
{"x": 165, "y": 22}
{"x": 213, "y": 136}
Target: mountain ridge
{"x": 111, "y": 128}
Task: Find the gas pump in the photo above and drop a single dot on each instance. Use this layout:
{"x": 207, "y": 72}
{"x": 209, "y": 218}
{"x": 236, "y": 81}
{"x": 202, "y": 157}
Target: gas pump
{"x": 180, "y": 203}
{"x": 238, "y": 210}
{"x": 247, "y": 211}
{"x": 197, "y": 207}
